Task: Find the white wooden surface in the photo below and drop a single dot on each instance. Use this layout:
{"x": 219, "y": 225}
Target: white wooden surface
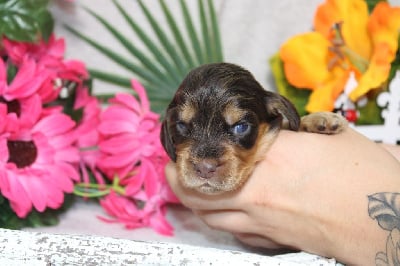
{"x": 30, "y": 248}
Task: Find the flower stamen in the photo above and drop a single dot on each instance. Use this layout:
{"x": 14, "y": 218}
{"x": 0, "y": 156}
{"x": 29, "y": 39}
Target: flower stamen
{"x": 341, "y": 52}
{"x": 21, "y": 153}
{"x": 12, "y": 106}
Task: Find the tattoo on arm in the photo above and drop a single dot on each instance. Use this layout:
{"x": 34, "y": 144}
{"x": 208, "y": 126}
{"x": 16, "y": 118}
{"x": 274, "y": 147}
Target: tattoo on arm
{"x": 384, "y": 207}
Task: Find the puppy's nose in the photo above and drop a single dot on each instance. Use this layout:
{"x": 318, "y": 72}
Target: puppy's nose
{"x": 206, "y": 168}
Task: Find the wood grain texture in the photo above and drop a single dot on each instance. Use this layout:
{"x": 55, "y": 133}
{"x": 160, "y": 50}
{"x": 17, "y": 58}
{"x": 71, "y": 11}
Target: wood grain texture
{"x": 33, "y": 248}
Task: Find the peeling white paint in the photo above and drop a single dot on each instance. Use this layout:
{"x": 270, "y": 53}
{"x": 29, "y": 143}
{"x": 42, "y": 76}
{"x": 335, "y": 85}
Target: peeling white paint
{"x": 32, "y": 248}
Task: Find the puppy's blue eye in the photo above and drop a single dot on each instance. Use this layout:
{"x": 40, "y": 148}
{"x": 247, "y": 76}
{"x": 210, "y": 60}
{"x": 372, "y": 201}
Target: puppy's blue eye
{"x": 181, "y": 127}
{"x": 241, "y": 128}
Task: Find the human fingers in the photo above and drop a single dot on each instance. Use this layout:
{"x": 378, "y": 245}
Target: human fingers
{"x": 233, "y": 221}
{"x": 392, "y": 149}
{"x": 241, "y": 225}
{"x": 258, "y": 241}
{"x": 172, "y": 177}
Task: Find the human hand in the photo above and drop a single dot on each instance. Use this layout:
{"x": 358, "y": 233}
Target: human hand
{"x": 309, "y": 193}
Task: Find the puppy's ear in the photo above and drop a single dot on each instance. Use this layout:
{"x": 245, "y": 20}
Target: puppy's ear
{"x": 166, "y": 139}
{"x": 281, "y": 108}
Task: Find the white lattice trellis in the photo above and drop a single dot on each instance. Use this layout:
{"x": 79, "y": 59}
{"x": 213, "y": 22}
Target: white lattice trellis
{"x": 389, "y": 132}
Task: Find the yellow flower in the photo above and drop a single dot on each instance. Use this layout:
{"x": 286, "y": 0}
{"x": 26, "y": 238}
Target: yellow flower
{"x": 346, "y": 39}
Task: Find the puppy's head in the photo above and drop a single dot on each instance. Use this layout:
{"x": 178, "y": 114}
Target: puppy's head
{"x": 219, "y": 124}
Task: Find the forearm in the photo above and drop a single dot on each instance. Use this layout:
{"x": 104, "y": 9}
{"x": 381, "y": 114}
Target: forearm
{"x": 360, "y": 179}
{"x": 314, "y": 193}
{"x": 392, "y": 149}
{"x": 352, "y": 234}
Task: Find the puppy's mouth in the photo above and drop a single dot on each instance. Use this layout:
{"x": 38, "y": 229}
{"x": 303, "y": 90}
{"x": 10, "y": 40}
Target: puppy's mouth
{"x": 210, "y": 188}
{"x": 209, "y": 177}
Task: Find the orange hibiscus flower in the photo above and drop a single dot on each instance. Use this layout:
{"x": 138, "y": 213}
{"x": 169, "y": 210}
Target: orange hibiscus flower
{"x": 346, "y": 39}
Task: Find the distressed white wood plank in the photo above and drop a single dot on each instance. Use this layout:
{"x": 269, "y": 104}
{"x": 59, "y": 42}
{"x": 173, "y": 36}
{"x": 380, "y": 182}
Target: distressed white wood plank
{"x": 33, "y": 248}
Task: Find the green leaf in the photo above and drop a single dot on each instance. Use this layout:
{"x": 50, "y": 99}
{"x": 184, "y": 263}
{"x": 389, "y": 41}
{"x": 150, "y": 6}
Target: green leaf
{"x": 160, "y": 97}
{"x": 147, "y": 62}
{"x": 192, "y": 32}
{"x": 25, "y": 20}
{"x": 117, "y": 58}
{"x": 205, "y": 30}
{"x": 164, "y": 40}
{"x": 215, "y": 34}
{"x": 11, "y": 72}
{"x": 9, "y": 220}
{"x": 370, "y": 114}
{"x": 395, "y": 66}
{"x": 109, "y": 77}
{"x": 212, "y": 51}
{"x": 185, "y": 52}
{"x": 385, "y": 209}
{"x": 299, "y": 97}
{"x": 372, "y": 3}
{"x": 164, "y": 61}
{"x": 45, "y": 23}
{"x": 150, "y": 44}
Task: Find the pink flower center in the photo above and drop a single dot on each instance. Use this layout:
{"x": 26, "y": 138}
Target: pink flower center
{"x": 22, "y": 153}
{"x": 12, "y": 106}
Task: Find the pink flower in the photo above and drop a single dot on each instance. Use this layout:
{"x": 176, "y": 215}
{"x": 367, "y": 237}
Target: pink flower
{"x": 47, "y": 53}
{"x": 126, "y": 211}
{"x": 130, "y": 150}
{"x": 145, "y": 199}
{"x": 49, "y": 56}
{"x": 130, "y": 132}
{"x": 149, "y": 180}
{"x": 87, "y": 134}
{"x": 20, "y": 96}
{"x": 37, "y": 164}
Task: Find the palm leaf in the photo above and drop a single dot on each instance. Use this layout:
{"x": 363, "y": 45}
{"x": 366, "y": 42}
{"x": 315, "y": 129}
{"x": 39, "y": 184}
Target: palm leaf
{"x": 185, "y": 52}
{"x": 118, "y": 58}
{"x": 192, "y": 32}
{"x": 161, "y": 58}
{"x": 204, "y": 28}
{"x": 147, "y": 62}
{"x": 166, "y": 58}
{"x": 216, "y": 36}
{"x": 111, "y": 78}
{"x": 167, "y": 44}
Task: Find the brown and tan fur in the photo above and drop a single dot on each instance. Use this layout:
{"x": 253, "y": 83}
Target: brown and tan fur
{"x": 221, "y": 122}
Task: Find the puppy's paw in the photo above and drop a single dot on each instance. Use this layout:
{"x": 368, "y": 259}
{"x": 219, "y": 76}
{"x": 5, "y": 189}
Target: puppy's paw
{"x": 323, "y": 123}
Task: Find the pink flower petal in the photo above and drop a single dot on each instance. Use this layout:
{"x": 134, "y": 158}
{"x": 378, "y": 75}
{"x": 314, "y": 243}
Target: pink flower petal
{"x": 142, "y": 95}
{"x": 26, "y": 82}
{"x": 54, "y": 124}
{"x": 3, "y": 75}
{"x": 16, "y": 193}
{"x": 126, "y": 100}
{"x": 118, "y": 144}
{"x": 116, "y": 127}
{"x": 35, "y": 190}
{"x": 117, "y": 161}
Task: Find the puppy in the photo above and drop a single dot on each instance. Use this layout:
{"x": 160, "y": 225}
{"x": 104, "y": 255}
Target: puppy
{"x": 221, "y": 122}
